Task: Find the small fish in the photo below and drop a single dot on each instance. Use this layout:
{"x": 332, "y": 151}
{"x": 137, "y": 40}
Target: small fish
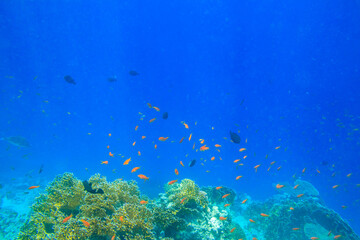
{"x": 151, "y": 120}
{"x": 291, "y": 208}
{"x": 139, "y": 153}
{"x": 272, "y": 163}
{"x": 192, "y": 163}
{"x": 142, "y": 176}
{"x": 109, "y": 134}
{"x": 163, "y": 139}
{"x": 335, "y": 186}
{"x": 181, "y": 140}
{"x": 218, "y": 188}
{"x": 136, "y": 128}
{"x": 121, "y": 218}
{"x": 112, "y": 79}
{"x": 143, "y": 202}
{"x": 149, "y": 105}
{"x": 226, "y": 205}
{"x": 183, "y": 200}
{"x": 33, "y": 187}
{"x": 155, "y": 146}
{"x": 278, "y": 186}
{"x": 213, "y": 158}
{"x": 104, "y": 162}
{"x": 225, "y": 196}
{"x": 190, "y": 136}
{"x": 67, "y": 218}
{"x": 296, "y": 229}
{"x": 296, "y": 186}
{"x": 232, "y": 230}
{"x": 314, "y": 238}
{"x": 156, "y": 108}
{"x": 108, "y": 146}
{"x": 186, "y": 126}
{"x": 250, "y": 220}
{"x": 172, "y": 182}
{"x": 244, "y": 201}
{"x": 264, "y": 214}
{"x": 181, "y": 163}
{"x": 165, "y": 115}
{"x": 69, "y": 79}
{"x": 143, "y": 137}
{"x": 217, "y": 145}
{"x": 349, "y": 175}
{"x": 134, "y": 143}
{"x": 222, "y": 218}
{"x": 242, "y": 149}
{"x": 135, "y": 169}
{"x": 235, "y": 138}
{"x": 113, "y": 237}
{"x": 86, "y": 224}
{"x": 133, "y": 73}
{"x": 41, "y": 168}
{"x": 300, "y": 195}
{"x": 176, "y": 171}
{"x": 204, "y": 148}
{"x": 111, "y": 154}
{"x": 236, "y": 160}
{"x": 337, "y": 236}
{"x": 238, "y": 177}
{"x": 202, "y": 141}
{"x": 256, "y": 167}
{"x": 303, "y": 171}
{"x": 277, "y": 147}
{"x": 127, "y": 161}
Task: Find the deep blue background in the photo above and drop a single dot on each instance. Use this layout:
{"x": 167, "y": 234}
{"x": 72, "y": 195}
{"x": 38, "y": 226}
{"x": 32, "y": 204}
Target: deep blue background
{"x": 295, "y": 66}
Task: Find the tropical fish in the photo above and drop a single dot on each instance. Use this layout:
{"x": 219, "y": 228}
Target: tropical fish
{"x": 176, "y": 171}
{"x": 127, "y": 161}
{"x": 143, "y": 202}
{"x": 104, "y": 162}
{"x": 296, "y": 229}
{"x": 112, "y": 79}
{"x": 183, "y": 200}
{"x": 165, "y": 115}
{"x": 88, "y": 188}
{"x": 113, "y": 237}
{"x": 251, "y": 220}
{"x": 278, "y": 186}
{"x": 69, "y": 79}
{"x": 135, "y": 169}
{"x": 217, "y": 145}
{"x": 142, "y": 176}
{"x": 181, "y": 163}
{"x": 151, "y": 120}
{"x": 222, "y": 218}
{"x": 204, "y": 148}
{"x": 111, "y": 154}
{"x": 232, "y": 230}
{"x": 213, "y": 158}
{"x": 242, "y": 149}
{"x": 226, "y": 195}
{"x": 157, "y": 109}
{"x": 136, "y": 127}
{"x": 217, "y": 188}
{"x": 133, "y": 73}
{"x": 172, "y": 182}
{"x": 186, "y": 126}
{"x": 238, "y": 177}
{"x": 244, "y": 201}
{"x": 300, "y": 195}
{"x": 192, "y": 163}
{"x": 163, "y": 138}
{"x": 190, "y": 136}
{"x": 264, "y": 214}
{"x": 33, "y": 187}
{"x": 181, "y": 140}
{"x": 17, "y": 141}
{"x": 86, "y": 224}
{"x": 67, "y": 218}
{"x": 235, "y": 137}
{"x": 226, "y": 205}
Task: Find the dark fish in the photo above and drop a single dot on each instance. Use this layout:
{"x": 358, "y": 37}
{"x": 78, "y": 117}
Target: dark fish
{"x": 88, "y": 188}
{"x": 17, "y": 141}
{"x": 242, "y": 101}
{"x": 112, "y": 79}
{"x": 234, "y": 137}
{"x": 69, "y": 79}
{"x": 192, "y": 163}
{"x": 41, "y": 168}
{"x": 133, "y": 73}
{"x": 165, "y": 115}
{"x": 324, "y": 163}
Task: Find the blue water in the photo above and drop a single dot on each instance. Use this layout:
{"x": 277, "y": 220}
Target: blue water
{"x": 281, "y": 73}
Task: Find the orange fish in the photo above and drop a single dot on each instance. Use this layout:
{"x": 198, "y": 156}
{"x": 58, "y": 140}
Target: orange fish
{"x": 226, "y": 205}
{"x": 314, "y": 238}
{"x": 136, "y": 128}
{"x": 176, "y": 171}
{"x": 268, "y": 169}
{"x": 33, "y": 187}
{"x": 111, "y": 154}
{"x": 190, "y": 136}
{"x": 181, "y": 163}
{"x": 349, "y": 175}
{"x": 163, "y": 138}
{"x": 337, "y": 236}
{"x": 291, "y": 208}
{"x": 127, "y": 161}
{"x": 264, "y": 215}
{"x": 104, "y": 162}
{"x": 135, "y": 169}
{"x": 277, "y": 147}
{"x": 202, "y": 141}
{"x": 278, "y": 168}
{"x": 139, "y": 153}
{"x": 113, "y": 237}
{"x": 143, "y": 137}
{"x": 235, "y": 161}
{"x": 186, "y": 126}
{"x": 256, "y": 167}
{"x": 222, "y": 218}
{"x": 278, "y": 186}
{"x": 317, "y": 170}
{"x": 303, "y": 171}
{"x": 242, "y": 149}
{"x": 142, "y": 176}
{"x": 143, "y": 202}
{"x": 67, "y": 218}
{"x": 149, "y": 105}
{"x": 204, "y": 148}
{"x": 300, "y": 195}
{"x": 232, "y": 230}
{"x": 296, "y": 186}
{"x": 157, "y": 109}
{"x": 251, "y": 220}
{"x": 244, "y": 201}
{"x": 244, "y": 157}
{"x": 108, "y": 146}
{"x": 238, "y": 177}
{"x": 217, "y": 145}
{"x": 295, "y": 229}
{"x": 194, "y": 146}
{"x": 86, "y": 224}
{"x": 151, "y": 120}
{"x": 182, "y": 200}
{"x": 213, "y": 158}
{"x": 172, "y": 182}
{"x": 272, "y": 163}
{"x": 226, "y": 195}
{"x": 181, "y": 140}
{"x": 134, "y": 143}
{"x": 109, "y": 134}
{"x": 335, "y": 186}
{"x": 121, "y": 218}
{"x": 217, "y": 188}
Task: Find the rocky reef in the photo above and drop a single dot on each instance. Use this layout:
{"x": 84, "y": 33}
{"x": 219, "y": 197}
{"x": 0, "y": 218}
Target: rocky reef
{"x": 98, "y": 209}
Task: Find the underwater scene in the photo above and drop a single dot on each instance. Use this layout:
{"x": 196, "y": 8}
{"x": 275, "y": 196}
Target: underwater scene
{"x": 179, "y": 120}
